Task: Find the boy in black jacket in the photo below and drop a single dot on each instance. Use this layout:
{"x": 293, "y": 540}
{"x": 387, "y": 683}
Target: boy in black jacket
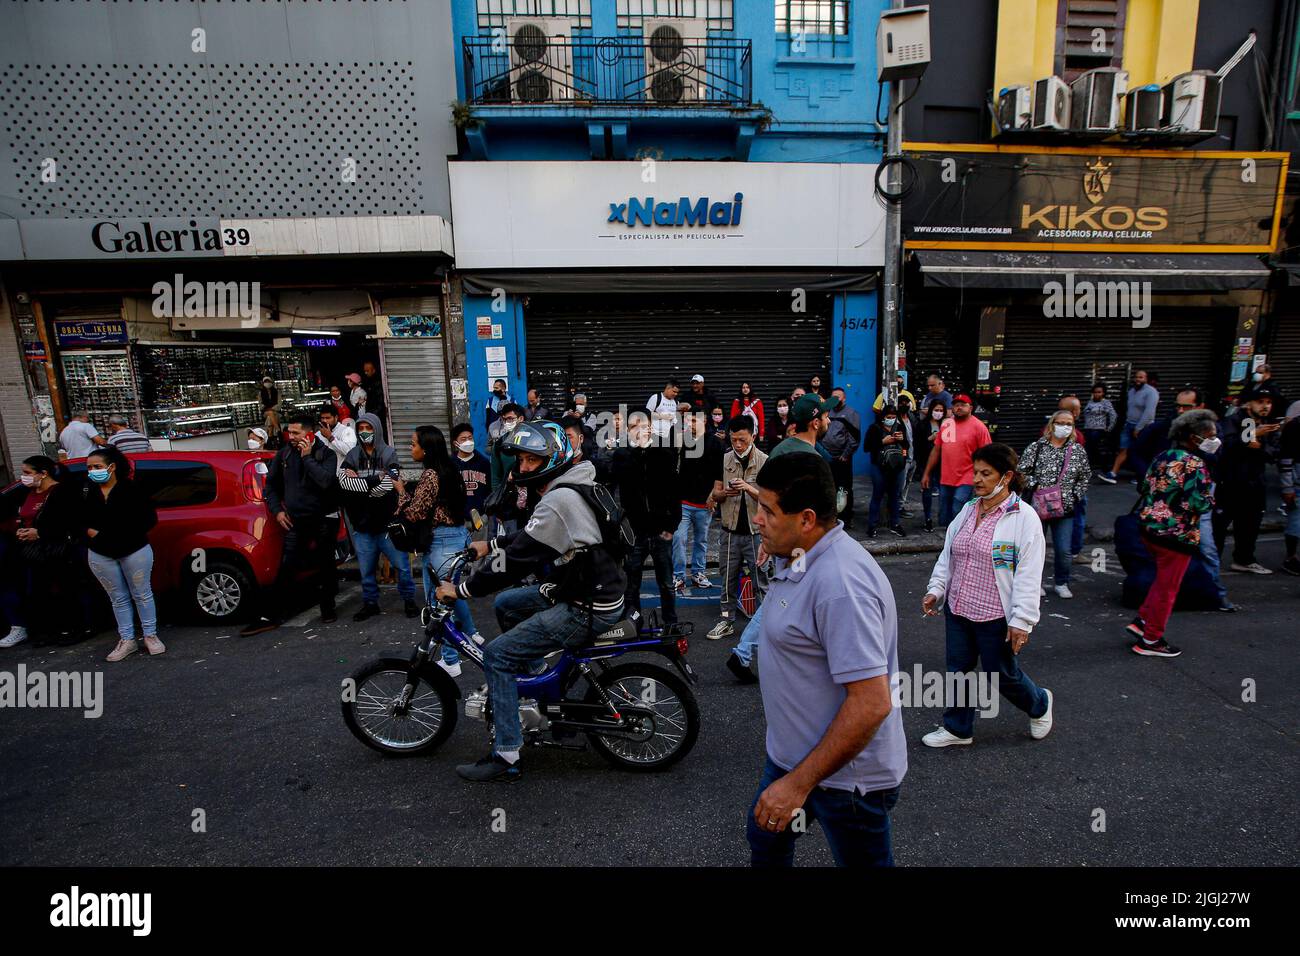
{"x": 646, "y": 476}
{"x": 301, "y": 495}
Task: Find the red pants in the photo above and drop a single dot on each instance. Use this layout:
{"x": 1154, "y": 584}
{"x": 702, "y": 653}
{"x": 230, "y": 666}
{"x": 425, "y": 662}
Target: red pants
{"x": 1155, "y": 610}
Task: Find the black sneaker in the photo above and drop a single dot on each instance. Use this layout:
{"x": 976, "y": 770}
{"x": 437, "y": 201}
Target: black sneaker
{"x": 1291, "y": 566}
{"x": 1136, "y": 627}
{"x": 1160, "y": 648}
{"x": 898, "y": 530}
{"x": 740, "y": 669}
{"x": 412, "y": 609}
{"x": 491, "y": 767}
{"x": 1227, "y": 608}
{"x": 871, "y": 532}
{"x": 366, "y": 613}
{"x": 260, "y": 626}
{"x": 328, "y": 613}
{"x": 929, "y": 525}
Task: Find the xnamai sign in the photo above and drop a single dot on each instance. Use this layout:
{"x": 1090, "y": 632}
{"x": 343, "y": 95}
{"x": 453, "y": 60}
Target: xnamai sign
{"x": 990, "y": 197}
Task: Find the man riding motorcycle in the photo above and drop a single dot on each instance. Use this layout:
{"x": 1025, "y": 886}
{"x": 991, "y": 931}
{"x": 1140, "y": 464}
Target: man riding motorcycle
{"x": 580, "y": 594}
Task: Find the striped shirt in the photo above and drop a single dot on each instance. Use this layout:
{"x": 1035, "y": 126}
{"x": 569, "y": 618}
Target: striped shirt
{"x": 128, "y": 441}
{"x": 973, "y": 593}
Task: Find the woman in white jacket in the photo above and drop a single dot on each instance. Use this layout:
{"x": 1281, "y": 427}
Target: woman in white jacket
{"x": 990, "y": 573}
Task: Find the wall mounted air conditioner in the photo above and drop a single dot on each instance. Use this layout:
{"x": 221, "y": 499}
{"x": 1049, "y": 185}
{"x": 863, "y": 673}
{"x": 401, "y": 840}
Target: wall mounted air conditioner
{"x": 541, "y": 60}
{"x": 1015, "y": 108}
{"x": 1051, "y": 104}
{"x": 1095, "y": 99}
{"x": 675, "y": 60}
{"x": 1192, "y": 102}
{"x": 1144, "y": 109}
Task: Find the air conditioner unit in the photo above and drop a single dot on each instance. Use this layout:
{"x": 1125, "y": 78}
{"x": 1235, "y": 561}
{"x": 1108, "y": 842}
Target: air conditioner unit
{"x": 1144, "y": 109}
{"x": 1051, "y": 104}
{"x": 1015, "y": 110}
{"x": 541, "y": 60}
{"x": 1096, "y": 97}
{"x": 1192, "y": 102}
{"x": 675, "y": 60}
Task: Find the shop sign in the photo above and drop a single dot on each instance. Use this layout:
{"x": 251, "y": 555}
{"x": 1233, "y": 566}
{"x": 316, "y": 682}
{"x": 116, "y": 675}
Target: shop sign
{"x": 411, "y": 326}
{"x": 319, "y": 343}
{"x": 89, "y": 332}
{"x": 34, "y": 351}
{"x": 679, "y": 212}
{"x": 975, "y": 197}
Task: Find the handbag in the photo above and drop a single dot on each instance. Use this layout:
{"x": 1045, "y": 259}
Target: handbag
{"x": 401, "y": 534}
{"x": 1047, "y": 501}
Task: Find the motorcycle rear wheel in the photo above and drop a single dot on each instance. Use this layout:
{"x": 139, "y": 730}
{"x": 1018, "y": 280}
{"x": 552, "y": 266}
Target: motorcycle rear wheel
{"x": 671, "y": 725}
{"x": 370, "y": 711}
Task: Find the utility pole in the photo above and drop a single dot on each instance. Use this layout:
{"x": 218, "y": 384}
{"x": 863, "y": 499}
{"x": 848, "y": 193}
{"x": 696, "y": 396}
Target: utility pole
{"x": 893, "y": 244}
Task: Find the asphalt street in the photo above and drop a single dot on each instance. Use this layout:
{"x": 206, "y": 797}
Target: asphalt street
{"x": 249, "y": 732}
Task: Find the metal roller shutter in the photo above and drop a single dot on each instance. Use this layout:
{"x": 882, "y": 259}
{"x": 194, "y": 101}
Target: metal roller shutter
{"x": 1045, "y": 357}
{"x": 1284, "y": 357}
{"x": 939, "y": 339}
{"x": 621, "y": 349}
{"x": 415, "y": 389}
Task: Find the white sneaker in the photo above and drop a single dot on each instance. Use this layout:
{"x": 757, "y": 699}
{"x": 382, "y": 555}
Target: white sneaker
{"x": 1063, "y": 591}
{"x": 16, "y": 635}
{"x": 451, "y": 669}
{"x": 724, "y": 628}
{"x": 478, "y": 638}
{"x": 1253, "y": 568}
{"x": 701, "y": 580}
{"x": 1040, "y": 727}
{"x": 942, "y": 738}
{"x": 1042, "y": 592}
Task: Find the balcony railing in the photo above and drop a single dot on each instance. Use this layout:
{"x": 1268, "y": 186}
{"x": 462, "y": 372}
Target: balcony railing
{"x": 608, "y": 71}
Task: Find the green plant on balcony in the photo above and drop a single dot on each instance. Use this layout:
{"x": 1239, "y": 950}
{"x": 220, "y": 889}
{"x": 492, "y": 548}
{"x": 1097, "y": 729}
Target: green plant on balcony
{"x": 464, "y": 117}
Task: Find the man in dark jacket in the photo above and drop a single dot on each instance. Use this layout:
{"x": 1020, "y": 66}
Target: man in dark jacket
{"x": 646, "y": 475}
{"x": 301, "y": 495}
{"x": 374, "y": 386}
{"x": 1239, "y": 479}
{"x": 366, "y": 480}
{"x": 842, "y": 440}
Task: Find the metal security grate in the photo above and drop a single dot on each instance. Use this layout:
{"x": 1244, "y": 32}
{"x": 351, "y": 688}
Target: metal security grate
{"x": 240, "y": 141}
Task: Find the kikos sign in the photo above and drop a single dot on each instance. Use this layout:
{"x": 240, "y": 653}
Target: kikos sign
{"x": 968, "y": 197}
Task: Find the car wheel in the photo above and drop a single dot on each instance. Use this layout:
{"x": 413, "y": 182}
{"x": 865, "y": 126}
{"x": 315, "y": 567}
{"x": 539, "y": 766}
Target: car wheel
{"x": 224, "y": 592}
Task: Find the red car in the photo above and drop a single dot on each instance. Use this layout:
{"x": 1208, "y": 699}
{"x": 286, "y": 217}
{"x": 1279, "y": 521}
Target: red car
{"x": 215, "y": 544}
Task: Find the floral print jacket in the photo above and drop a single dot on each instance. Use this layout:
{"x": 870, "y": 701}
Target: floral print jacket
{"x": 1176, "y": 491}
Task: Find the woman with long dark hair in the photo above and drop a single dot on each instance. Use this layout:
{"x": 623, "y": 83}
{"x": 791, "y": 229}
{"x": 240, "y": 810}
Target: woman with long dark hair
{"x": 747, "y": 403}
{"x": 36, "y": 553}
{"x": 118, "y": 515}
{"x": 987, "y": 581}
{"x": 435, "y": 509}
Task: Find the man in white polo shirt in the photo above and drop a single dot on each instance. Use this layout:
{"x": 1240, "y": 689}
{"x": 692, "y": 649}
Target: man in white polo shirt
{"x": 663, "y": 408}
{"x": 827, "y": 655}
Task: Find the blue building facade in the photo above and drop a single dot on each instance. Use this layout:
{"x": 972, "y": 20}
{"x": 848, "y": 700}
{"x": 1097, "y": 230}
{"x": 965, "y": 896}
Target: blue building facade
{"x": 590, "y": 132}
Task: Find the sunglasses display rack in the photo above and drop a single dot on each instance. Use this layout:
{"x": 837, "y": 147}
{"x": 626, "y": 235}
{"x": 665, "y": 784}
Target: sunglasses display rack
{"x": 101, "y": 384}
{"x": 192, "y": 390}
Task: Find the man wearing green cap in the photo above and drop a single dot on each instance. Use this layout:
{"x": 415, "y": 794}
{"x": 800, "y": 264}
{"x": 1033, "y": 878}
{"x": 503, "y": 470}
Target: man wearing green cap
{"x": 811, "y": 421}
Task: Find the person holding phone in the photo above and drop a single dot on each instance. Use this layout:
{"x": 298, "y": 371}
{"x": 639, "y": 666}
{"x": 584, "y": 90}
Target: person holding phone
{"x": 1239, "y": 479}
{"x": 987, "y": 581}
{"x": 302, "y": 497}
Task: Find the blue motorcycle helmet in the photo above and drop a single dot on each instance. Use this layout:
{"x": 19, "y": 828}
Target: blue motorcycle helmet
{"x": 546, "y": 440}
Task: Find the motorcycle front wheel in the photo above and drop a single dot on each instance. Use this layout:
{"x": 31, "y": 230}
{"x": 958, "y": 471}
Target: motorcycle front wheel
{"x": 662, "y": 709}
{"x": 370, "y": 709}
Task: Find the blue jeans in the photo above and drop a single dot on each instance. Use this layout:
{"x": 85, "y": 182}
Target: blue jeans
{"x": 698, "y": 519}
{"x": 951, "y": 500}
{"x": 532, "y": 628}
{"x": 985, "y": 642}
{"x": 368, "y": 547}
{"x": 747, "y": 646}
{"x": 1209, "y": 554}
{"x": 126, "y": 580}
{"x": 885, "y": 485}
{"x": 856, "y": 825}
{"x": 1080, "y": 525}
{"x": 1061, "y": 530}
{"x": 447, "y": 540}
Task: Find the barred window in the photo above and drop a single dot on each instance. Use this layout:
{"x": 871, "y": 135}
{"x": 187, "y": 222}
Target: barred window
{"x": 494, "y": 13}
{"x": 813, "y": 28}
{"x": 718, "y": 13}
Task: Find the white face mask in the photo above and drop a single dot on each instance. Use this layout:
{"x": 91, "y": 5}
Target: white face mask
{"x": 1062, "y": 431}
{"x": 579, "y": 408}
{"x": 1210, "y": 445}
{"x": 1257, "y": 377}
{"x": 782, "y": 410}
{"x": 508, "y": 426}
{"x": 890, "y": 422}
{"x": 466, "y": 446}
{"x": 937, "y": 414}
{"x": 30, "y": 481}
{"x": 994, "y": 493}
{"x": 254, "y": 445}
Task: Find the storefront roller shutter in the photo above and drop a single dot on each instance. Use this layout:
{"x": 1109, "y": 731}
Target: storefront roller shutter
{"x": 621, "y": 349}
{"x": 1045, "y": 358}
{"x": 1284, "y": 357}
{"x": 415, "y": 377}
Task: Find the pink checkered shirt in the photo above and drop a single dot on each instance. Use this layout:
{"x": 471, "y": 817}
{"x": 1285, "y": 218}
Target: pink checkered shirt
{"x": 972, "y": 590}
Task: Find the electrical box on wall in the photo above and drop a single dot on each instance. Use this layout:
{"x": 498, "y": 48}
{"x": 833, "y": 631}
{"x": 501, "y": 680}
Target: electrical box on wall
{"x": 902, "y": 43}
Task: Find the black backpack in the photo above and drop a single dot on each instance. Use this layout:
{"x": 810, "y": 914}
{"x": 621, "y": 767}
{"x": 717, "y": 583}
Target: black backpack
{"x": 616, "y": 535}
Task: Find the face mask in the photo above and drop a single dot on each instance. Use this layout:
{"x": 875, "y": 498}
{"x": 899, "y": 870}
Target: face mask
{"x": 717, "y": 419}
{"x": 466, "y": 447}
{"x": 579, "y": 408}
{"x": 994, "y": 493}
{"x": 97, "y": 475}
{"x": 783, "y": 410}
{"x": 366, "y": 438}
{"x": 1257, "y": 377}
{"x": 1062, "y": 431}
{"x": 254, "y": 444}
{"x": 507, "y": 426}
{"x": 890, "y": 422}
{"x": 1210, "y": 445}
{"x": 937, "y": 415}
{"x": 744, "y": 454}
{"x": 29, "y": 480}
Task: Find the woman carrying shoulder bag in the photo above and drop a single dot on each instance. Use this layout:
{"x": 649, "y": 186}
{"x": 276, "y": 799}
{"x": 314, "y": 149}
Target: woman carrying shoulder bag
{"x": 118, "y": 515}
{"x": 1057, "y": 473}
{"x": 987, "y": 581}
